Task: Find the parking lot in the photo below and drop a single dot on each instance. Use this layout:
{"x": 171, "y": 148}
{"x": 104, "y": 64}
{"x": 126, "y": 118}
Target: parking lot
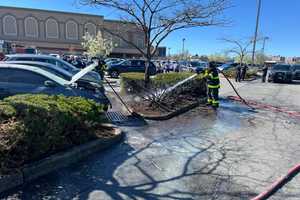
{"x": 231, "y": 154}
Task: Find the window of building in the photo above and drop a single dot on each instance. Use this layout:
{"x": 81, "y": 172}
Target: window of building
{"x": 52, "y": 29}
{"x": 91, "y": 29}
{"x": 31, "y": 27}
{"x": 10, "y": 25}
{"x": 140, "y": 42}
{"x": 71, "y": 30}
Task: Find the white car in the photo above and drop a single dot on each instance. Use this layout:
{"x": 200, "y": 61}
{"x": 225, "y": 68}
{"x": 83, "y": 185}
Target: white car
{"x": 91, "y": 76}
{"x": 23, "y": 79}
{"x": 60, "y": 72}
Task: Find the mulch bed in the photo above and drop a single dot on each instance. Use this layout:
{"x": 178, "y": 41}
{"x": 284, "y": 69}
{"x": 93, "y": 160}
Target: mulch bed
{"x": 169, "y": 105}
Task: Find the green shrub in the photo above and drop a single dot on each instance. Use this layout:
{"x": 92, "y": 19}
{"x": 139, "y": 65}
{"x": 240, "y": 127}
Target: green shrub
{"x": 33, "y": 126}
{"x": 169, "y": 79}
{"x": 231, "y": 73}
{"x": 134, "y": 82}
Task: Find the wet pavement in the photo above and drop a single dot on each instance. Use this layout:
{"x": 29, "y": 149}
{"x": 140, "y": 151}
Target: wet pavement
{"x": 231, "y": 153}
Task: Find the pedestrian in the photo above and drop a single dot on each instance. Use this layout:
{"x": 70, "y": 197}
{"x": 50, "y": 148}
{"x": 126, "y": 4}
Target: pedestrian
{"x": 213, "y": 85}
{"x": 238, "y": 73}
{"x": 100, "y": 68}
{"x": 244, "y": 72}
{"x": 160, "y": 67}
{"x": 265, "y": 72}
{"x": 167, "y": 67}
{"x": 176, "y": 67}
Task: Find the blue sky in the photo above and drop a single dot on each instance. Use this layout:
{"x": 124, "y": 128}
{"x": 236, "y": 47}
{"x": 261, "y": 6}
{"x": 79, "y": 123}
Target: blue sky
{"x": 279, "y": 21}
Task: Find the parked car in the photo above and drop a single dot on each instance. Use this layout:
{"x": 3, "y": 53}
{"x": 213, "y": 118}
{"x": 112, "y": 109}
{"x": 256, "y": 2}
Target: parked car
{"x": 296, "y": 72}
{"x": 2, "y": 56}
{"x": 281, "y": 73}
{"x": 54, "y": 55}
{"x": 60, "y": 72}
{"x": 132, "y": 65}
{"x": 91, "y": 76}
{"x": 114, "y": 62}
{"x": 23, "y": 79}
{"x": 110, "y": 61}
{"x": 227, "y": 66}
{"x": 197, "y": 66}
{"x": 217, "y": 64}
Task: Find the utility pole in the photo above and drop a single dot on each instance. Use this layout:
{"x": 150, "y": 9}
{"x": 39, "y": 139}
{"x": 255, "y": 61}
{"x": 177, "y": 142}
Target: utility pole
{"x": 256, "y": 31}
{"x": 183, "y": 50}
{"x": 264, "y": 44}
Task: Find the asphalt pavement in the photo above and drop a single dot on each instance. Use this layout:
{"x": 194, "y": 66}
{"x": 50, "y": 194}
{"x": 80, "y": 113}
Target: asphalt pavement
{"x": 232, "y": 153}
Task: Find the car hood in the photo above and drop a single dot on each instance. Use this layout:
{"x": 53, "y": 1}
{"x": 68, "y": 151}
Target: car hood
{"x": 82, "y": 73}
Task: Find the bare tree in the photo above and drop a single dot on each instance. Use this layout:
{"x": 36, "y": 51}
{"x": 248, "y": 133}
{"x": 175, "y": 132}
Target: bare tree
{"x": 157, "y": 19}
{"x": 239, "y": 48}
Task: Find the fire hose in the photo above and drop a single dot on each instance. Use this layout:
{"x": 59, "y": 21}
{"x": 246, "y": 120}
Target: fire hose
{"x": 235, "y": 90}
{"x": 281, "y": 182}
{"x": 122, "y": 101}
{"x": 276, "y": 186}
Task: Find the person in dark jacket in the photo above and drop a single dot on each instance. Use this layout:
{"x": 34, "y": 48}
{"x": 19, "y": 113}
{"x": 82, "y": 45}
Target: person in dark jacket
{"x": 213, "y": 85}
{"x": 238, "y": 73}
{"x": 265, "y": 72}
{"x": 244, "y": 72}
{"x": 101, "y": 68}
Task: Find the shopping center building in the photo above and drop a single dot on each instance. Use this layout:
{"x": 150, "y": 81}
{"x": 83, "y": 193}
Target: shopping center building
{"x": 61, "y": 32}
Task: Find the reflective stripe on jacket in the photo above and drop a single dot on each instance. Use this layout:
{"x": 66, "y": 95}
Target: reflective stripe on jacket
{"x": 213, "y": 80}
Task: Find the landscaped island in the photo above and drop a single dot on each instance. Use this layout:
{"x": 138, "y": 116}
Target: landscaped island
{"x": 160, "y": 98}
{"x": 33, "y": 127}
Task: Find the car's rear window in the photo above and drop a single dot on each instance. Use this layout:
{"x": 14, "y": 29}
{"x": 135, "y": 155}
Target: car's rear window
{"x": 195, "y": 64}
{"x": 282, "y": 67}
{"x": 297, "y": 67}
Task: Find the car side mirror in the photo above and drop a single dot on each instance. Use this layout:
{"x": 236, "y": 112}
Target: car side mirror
{"x": 50, "y": 84}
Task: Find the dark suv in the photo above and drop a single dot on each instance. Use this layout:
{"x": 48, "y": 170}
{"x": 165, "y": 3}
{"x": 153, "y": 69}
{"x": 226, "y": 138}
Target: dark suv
{"x": 115, "y": 70}
{"x": 281, "y": 73}
{"x": 296, "y": 71}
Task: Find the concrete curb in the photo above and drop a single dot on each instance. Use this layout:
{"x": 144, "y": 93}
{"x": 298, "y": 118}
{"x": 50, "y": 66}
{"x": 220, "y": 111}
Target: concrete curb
{"x": 57, "y": 161}
{"x": 175, "y": 113}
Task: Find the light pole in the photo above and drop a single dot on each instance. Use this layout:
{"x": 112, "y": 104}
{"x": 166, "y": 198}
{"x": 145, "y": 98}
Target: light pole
{"x": 264, "y": 44}
{"x": 256, "y": 31}
{"x": 183, "y": 50}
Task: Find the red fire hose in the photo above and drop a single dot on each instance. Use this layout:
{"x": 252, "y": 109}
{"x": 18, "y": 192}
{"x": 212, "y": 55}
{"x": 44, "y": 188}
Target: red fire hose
{"x": 269, "y": 107}
{"x": 278, "y": 184}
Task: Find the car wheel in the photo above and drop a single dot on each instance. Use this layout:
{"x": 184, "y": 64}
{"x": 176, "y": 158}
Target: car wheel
{"x": 114, "y": 74}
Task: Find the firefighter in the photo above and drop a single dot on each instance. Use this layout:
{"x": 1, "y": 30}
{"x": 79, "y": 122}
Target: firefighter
{"x": 213, "y": 85}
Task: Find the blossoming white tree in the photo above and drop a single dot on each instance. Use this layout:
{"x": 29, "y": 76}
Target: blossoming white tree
{"x": 97, "y": 46}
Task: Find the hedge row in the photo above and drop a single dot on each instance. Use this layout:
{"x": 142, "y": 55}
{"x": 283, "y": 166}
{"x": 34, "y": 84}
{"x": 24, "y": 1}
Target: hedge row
{"x": 34, "y": 126}
{"x": 231, "y": 73}
{"x": 134, "y": 82}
